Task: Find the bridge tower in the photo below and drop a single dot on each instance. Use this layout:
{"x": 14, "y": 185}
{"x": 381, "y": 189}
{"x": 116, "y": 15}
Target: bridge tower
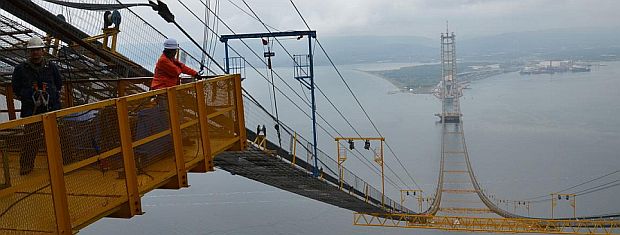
{"x": 450, "y": 90}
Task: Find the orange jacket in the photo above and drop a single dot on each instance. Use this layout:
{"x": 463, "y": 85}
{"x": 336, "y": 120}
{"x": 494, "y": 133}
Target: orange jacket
{"x": 167, "y": 72}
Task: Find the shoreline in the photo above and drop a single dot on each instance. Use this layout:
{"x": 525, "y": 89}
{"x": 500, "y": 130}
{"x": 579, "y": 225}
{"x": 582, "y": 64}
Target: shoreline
{"x": 399, "y": 87}
{"x": 428, "y": 89}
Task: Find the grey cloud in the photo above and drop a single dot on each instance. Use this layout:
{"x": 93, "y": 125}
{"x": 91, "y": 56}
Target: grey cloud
{"x": 470, "y": 18}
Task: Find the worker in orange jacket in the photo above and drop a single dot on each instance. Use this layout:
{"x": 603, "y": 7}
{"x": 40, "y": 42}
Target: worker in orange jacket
{"x": 168, "y": 68}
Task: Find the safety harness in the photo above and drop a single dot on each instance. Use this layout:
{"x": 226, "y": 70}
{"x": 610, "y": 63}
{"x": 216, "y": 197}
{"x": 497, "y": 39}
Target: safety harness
{"x": 40, "y": 97}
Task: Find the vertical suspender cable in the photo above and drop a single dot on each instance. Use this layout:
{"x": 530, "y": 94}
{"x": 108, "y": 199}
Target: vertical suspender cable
{"x": 205, "y": 36}
{"x": 370, "y": 166}
{"x": 317, "y": 87}
{"x": 354, "y": 96}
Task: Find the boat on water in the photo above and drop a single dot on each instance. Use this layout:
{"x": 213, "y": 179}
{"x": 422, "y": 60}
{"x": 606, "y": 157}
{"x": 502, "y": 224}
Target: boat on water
{"x": 579, "y": 68}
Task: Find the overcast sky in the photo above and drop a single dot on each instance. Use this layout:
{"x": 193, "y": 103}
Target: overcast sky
{"x": 469, "y": 18}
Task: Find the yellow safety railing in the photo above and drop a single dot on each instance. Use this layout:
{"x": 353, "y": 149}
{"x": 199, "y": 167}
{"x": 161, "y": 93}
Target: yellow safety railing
{"x": 96, "y": 160}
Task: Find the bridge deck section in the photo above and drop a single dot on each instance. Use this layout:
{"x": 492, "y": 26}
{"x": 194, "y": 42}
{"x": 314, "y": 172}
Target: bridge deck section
{"x": 272, "y": 170}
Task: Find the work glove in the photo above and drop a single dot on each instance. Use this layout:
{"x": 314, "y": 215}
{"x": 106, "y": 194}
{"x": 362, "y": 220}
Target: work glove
{"x": 198, "y": 76}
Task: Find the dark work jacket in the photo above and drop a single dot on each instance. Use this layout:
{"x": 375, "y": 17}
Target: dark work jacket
{"x": 25, "y": 74}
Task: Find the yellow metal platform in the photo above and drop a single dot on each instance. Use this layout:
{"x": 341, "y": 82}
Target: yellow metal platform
{"x": 98, "y": 159}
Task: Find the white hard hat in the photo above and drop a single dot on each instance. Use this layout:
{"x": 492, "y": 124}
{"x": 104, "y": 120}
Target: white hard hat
{"x": 35, "y": 42}
{"x": 171, "y": 43}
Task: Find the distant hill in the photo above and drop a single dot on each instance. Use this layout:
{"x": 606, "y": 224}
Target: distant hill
{"x": 363, "y": 49}
{"x": 588, "y": 43}
{"x": 578, "y": 43}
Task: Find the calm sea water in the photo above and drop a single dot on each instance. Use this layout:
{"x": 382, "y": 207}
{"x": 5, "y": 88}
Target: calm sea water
{"x": 527, "y": 136}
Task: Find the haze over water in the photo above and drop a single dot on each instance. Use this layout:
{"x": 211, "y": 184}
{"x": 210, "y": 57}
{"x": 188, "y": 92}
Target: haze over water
{"x": 527, "y": 136}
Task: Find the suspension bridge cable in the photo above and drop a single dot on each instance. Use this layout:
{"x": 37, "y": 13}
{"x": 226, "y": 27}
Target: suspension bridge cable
{"x": 324, "y": 95}
{"x": 283, "y": 47}
{"x": 575, "y": 186}
{"x": 216, "y": 27}
{"x": 255, "y": 69}
{"x": 198, "y": 45}
{"x": 390, "y": 181}
{"x": 597, "y": 188}
{"x": 281, "y": 92}
{"x": 247, "y": 13}
{"x": 205, "y": 38}
{"x": 354, "y": 96}
{"x": 275, "y": 97}
{"x": 144, "y": 22}
{"x": 594, "y": 189}
{"x": 253, "y": 52}
{"x": 319, "y": 89}
{"x": 583, "y": 192}
{"x": 288, "y": 98}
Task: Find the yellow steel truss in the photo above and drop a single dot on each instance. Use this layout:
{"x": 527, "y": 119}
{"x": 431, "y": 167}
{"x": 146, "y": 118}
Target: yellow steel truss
{"x": 465, "y": 210}
{"x": 493, "y": 225}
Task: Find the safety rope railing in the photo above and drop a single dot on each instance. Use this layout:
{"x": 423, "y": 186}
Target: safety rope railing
{"x": 301, "y": 150}
{"x": 63, "y": 170}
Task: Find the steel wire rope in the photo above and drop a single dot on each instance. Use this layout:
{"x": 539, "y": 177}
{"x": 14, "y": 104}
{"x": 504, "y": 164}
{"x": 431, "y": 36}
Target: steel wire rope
{"x": 12, "y": 205}
{"x": 217, "y": 25}
{"x": 267, "y": 69}
{"x": 594, "y": 189}
{"x": 354, "y": 96}
{"x": 205, "y": 37}
{"x": 275, "y": 99}
{"x": 339, "y": 112}
{"x": 252, "y": 50}
{"x": 390, "y": 181}
{"x": 574, "y": 186}
{"x": 182, "y": 30}
{"x": 376, "y": 168}
{"x": 288, "y": 128}
{"x": 264, "y": 77}
{"x": 324, "y": 95}
{"x": 247, "y": 13}
{"x": 144, "y": 22}
{"x": 322, "y": 128}
{"x": 599, "y": 188}
{"x": 318, "y": 114}
{"x": 322, "y": 118}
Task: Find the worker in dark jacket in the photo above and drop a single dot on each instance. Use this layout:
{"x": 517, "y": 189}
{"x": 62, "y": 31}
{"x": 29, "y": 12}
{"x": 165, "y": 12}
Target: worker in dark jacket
{"x": 168, "y": 68}
{"x": 37, "y": 84}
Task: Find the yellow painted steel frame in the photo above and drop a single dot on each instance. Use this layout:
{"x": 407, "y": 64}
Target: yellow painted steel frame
{"x": 378, "y": 159}
{"x": 106, "y": 35}
{"x": 492, "y": 225}
{"x": 240, "y": 124}
{"x": 175, "y": 126}
{"x": 68, "y": 222}
{"x": 404, "y": 192}
{"x": 571, "y": 197}
{"x": 261, "y": 141}
{"x": 134, "y": 204}
{"x": 204, "y": 127}
{"x": 294, "y": 149}
{"x": 59, "y": 191}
